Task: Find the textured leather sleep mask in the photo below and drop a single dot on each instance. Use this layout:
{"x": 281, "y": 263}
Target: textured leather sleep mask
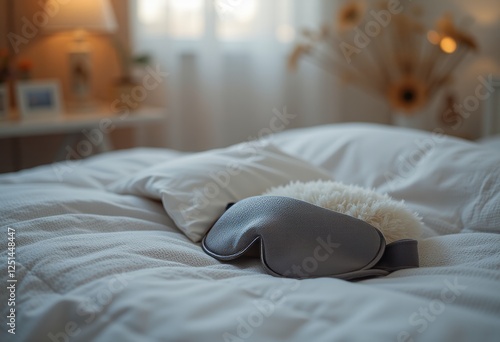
{"x": 296, "y": 239}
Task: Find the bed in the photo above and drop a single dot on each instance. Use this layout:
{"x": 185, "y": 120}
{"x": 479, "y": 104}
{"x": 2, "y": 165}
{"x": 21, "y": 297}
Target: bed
{"x": 95, "y": 264}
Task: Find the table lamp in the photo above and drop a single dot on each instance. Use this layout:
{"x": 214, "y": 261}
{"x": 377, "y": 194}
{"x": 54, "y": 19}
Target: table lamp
{"x": 81, "y": 17}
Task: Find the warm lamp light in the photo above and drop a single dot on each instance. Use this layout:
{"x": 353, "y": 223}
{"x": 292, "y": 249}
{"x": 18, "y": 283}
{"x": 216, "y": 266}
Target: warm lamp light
{"x": 448, "y": 45}
{"x": 80, "y": 17}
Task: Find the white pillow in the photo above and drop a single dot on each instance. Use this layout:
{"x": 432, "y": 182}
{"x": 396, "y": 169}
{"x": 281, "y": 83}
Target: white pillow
{"x": 452, "y": 183}
{"x": 196, "y": 189}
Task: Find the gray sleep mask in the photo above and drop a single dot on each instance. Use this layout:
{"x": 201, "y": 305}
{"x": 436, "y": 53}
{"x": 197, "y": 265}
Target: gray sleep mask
{"x": 296, "y": 239}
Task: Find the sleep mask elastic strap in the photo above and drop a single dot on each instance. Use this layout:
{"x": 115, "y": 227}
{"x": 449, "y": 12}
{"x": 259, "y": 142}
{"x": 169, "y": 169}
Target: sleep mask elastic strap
{"x": 399, "y": 255}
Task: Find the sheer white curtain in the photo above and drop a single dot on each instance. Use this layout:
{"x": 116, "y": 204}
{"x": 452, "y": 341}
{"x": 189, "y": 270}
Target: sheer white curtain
{"x": 226, "y": 61}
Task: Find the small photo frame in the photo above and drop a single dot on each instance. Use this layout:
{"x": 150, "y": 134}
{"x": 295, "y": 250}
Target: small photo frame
{"x": 4, "y": 102}
{"x": 39, "y": 98}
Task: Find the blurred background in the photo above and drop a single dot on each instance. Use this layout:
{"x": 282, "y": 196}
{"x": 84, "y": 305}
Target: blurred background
{"x": 219, "y": 72}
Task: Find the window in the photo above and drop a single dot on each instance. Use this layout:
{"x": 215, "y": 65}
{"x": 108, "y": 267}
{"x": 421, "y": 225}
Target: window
{"x": 236, "y": 18}
{"x": 178, "y": 18}
{"x": 227, "y": 20}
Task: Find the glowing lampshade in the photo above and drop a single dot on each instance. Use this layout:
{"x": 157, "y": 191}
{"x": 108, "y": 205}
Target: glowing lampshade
{"x": 91, "y": 15}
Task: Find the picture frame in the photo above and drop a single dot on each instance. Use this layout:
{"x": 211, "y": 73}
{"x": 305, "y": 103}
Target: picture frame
{"x": 4, "y": 101}
{"x": 39, "y": 99}
{"x": 491, "y": 118}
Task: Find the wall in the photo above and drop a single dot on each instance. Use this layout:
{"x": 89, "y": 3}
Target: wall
{"x": 48, "y": 53}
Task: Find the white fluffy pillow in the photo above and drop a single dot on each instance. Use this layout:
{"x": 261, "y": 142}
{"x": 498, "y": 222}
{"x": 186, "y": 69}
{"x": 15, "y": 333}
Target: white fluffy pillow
{"x": 391, "y": 217}
{"x": 196, "y": 189}
{"x": 454, "y": 184}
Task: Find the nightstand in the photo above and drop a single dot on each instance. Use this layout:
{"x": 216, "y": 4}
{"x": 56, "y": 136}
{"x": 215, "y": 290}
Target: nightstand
{"x": 84, "y": 132}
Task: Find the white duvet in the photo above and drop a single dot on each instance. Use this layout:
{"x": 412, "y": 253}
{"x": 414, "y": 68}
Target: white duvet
{"x": 92, "y": 265}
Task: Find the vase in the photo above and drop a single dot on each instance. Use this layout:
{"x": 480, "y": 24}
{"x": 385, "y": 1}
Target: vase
{"x": 423, "y": 118}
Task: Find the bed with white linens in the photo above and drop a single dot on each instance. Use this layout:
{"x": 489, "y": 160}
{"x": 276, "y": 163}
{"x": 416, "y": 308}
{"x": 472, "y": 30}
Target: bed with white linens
{"x": 100, "y": 255}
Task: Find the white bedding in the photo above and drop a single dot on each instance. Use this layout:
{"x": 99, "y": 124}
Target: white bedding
{"x": 93, "y": 265}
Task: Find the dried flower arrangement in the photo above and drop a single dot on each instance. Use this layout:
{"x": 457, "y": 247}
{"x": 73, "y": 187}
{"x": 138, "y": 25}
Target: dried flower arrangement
{"x": 387, "y": 51}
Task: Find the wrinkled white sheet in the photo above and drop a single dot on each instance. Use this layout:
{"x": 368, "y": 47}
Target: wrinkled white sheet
{"x": 97, "y": 266}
